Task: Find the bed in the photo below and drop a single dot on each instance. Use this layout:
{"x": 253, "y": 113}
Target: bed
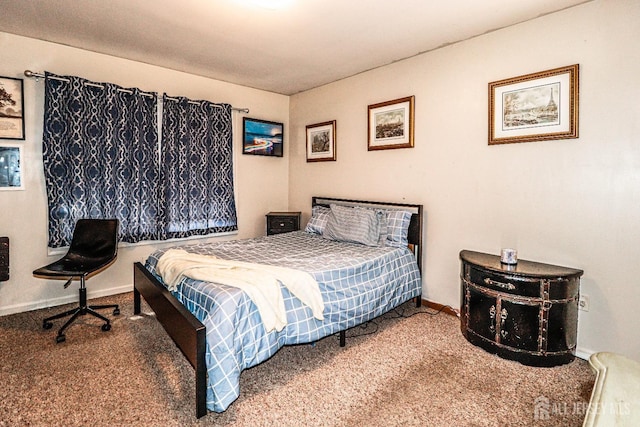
{"x": 218, "y": 327}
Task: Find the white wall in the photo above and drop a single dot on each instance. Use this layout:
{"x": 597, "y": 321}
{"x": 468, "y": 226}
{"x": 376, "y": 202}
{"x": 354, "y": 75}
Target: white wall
{"x": 261, "y": 183}
{"x": 570, "y": 202}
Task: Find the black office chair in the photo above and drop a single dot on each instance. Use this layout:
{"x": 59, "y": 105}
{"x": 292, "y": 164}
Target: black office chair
{"x": 94, "y": 247}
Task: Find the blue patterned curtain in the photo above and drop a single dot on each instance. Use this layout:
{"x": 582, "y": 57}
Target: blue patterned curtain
{"x": 197, "y": 168}
{"x": 100, "y": 157}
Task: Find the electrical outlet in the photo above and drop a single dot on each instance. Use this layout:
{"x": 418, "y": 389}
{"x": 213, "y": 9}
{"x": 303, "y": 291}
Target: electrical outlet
{"x": 583, "y": 302}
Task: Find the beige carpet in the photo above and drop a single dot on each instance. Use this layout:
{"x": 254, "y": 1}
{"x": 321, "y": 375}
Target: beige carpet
{"x": 412, "y": 371}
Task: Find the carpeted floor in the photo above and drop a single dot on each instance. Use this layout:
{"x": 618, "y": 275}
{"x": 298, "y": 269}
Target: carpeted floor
{"x": 417, "y": 370}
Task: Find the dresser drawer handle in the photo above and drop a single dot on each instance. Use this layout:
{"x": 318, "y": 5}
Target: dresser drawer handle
{"x": 509, "y": 286}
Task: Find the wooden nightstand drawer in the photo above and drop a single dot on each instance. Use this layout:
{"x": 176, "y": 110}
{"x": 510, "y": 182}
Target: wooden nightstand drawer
{"x": 503, "y": 282}
{"x": 282, "y": 222}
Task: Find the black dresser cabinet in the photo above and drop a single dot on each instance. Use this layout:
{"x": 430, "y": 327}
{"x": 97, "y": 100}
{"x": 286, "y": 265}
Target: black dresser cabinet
{"x": 282, "y": 222}
{"x": 526, "y": 312}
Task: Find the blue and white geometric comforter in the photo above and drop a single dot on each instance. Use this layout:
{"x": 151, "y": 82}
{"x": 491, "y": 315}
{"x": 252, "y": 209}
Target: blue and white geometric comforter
{"x": 357, "y": 283}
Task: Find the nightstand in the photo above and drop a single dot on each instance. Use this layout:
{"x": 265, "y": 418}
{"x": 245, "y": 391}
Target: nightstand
{"x": 282, "y": 222}
{"x": 526, "y": 312}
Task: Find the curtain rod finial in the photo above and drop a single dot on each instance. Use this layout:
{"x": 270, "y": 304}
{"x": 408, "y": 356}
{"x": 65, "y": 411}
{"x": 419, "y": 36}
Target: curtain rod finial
{"x": 31, "y": 74}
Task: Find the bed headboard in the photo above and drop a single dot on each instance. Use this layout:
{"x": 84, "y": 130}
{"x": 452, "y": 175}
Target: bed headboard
{"x": 415, "y": 226}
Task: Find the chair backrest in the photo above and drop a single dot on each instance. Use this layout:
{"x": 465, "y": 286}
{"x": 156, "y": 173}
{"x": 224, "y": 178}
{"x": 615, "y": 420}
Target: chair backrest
{"x": 95, "y": 238}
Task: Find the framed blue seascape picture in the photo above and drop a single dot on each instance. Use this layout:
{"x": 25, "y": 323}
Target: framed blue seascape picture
{"x": 262, "y": 137}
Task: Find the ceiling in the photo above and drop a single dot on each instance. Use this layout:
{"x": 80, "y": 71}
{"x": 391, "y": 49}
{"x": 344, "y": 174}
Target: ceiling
{"x": 299, "y": 46}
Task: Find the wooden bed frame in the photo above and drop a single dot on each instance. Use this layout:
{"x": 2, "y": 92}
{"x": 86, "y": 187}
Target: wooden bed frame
{"x": 189, "y": 333}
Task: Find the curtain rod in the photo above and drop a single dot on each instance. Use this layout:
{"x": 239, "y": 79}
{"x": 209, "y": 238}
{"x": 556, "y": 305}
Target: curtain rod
{"x": 37, "y": 76}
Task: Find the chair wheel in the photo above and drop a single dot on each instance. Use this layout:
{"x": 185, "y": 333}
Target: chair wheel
{"x": 116, "y": 311}
{"x": 106, "y": 327}
{"x": 60, "y": 338}
{"x": 47, "y": 325}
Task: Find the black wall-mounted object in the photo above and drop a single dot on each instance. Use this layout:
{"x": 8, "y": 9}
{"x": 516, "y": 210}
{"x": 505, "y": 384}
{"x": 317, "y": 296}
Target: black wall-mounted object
{"x": 262, "y": 137}
{"x": 4, "y": 259}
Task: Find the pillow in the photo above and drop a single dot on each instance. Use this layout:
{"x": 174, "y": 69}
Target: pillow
{"x": 397, "y": 228}
{"x": 318, "y": 221}
{"x": 356, "y": 225}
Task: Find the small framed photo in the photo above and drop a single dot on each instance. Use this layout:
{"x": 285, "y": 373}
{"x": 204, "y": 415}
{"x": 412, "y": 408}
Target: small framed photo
{"x": 321, "y": 142}
{"x": 262, "y": 137}
{"x": 11, "y": 162}
{"x": 11, "y": 108}
{"x": 391, "y": 124}
{"x": 534, "y": 107}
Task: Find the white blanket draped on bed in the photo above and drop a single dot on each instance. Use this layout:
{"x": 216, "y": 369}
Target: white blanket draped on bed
{"x": 261, "y": 282}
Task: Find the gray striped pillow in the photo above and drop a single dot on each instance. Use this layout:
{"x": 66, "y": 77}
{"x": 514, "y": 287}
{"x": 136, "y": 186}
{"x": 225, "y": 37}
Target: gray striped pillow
{"x": 356, "y": 225}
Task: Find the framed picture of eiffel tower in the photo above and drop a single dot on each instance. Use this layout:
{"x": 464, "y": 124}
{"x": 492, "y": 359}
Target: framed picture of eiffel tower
{"x": 534, "y": 107}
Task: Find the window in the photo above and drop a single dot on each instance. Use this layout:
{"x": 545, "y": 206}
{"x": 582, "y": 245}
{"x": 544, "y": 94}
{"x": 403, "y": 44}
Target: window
{"x": 197, "y": 168}
{"x": 102, "y": 160}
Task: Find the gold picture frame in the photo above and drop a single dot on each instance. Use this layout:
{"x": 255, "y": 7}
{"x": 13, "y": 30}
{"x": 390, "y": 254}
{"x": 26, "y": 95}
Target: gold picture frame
{"x": 390, "y": 124}
{"x": 535, "y": 107}
{"x": 321, "y": 142}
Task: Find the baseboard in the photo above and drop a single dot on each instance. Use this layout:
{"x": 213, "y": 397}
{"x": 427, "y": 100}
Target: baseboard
{"x": 447, "y": 309}
{"x": 584, "y": 353}
{"x": 53, "y": 302}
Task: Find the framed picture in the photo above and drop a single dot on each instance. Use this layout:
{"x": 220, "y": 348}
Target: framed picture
{"x": 321, "y": 142}
{"x": 11, "y": 108}
{"x": 391, "y": 124}
{"x": 11, "y": 167}
{"x": 535, "y": 107}
{"x": 261, "y": 137}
